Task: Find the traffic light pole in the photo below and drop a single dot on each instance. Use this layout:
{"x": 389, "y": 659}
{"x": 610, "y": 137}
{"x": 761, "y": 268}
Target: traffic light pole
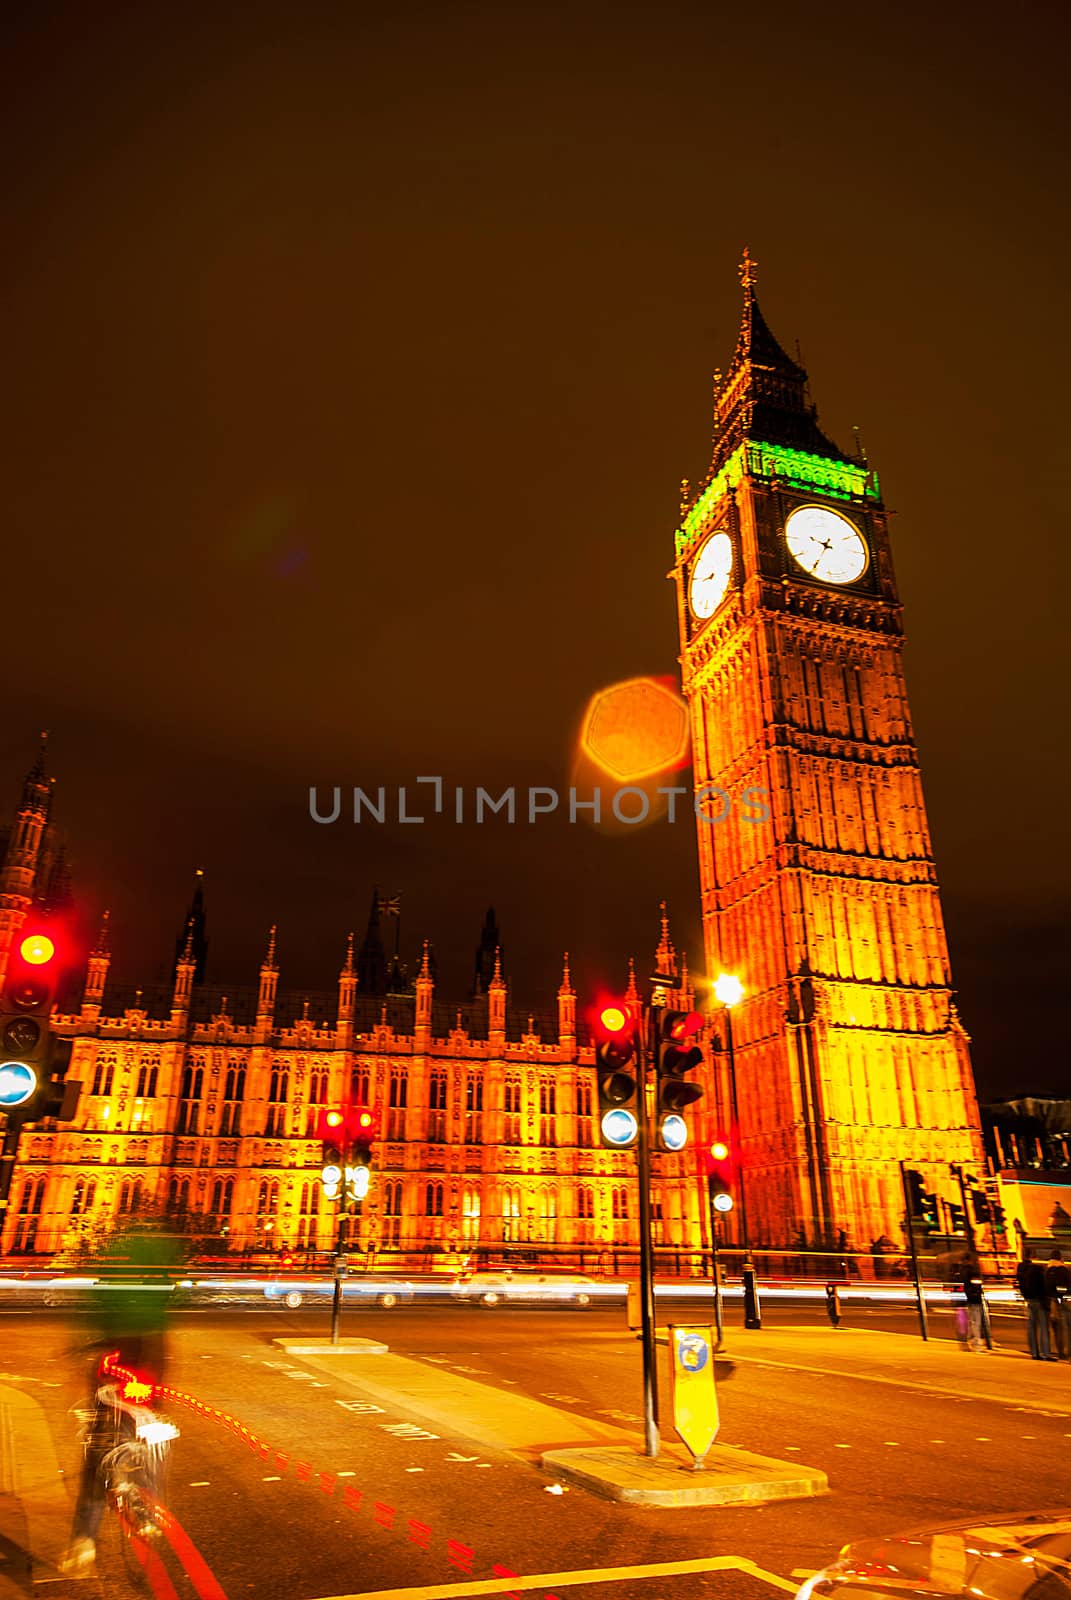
{"x": 715, "y": 1268}
{"x": 341, "y": 1242}
{"x": 920, "y": 1300}
{"x": 647, "y": 1308}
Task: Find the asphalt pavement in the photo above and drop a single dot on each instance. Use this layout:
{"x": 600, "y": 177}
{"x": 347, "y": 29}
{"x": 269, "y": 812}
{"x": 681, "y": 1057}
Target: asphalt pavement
{"x": 295, "y": 1481}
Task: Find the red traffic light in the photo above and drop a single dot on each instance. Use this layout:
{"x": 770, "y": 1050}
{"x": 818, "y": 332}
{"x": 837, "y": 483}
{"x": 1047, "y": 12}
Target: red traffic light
{"x": 33, "y": 971}
{"x": 719, "y": 1150}
{"x": 37, "y": 949}
{"x": 683, "y": 1024}
{"x": 333, "y": 1119}
{"x": 365, "y": 1119}
{"x": 615, "y": 1018}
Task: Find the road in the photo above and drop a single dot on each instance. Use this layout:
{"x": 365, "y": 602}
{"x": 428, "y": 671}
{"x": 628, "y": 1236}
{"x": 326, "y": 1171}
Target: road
{"x": 414, "y": 1508}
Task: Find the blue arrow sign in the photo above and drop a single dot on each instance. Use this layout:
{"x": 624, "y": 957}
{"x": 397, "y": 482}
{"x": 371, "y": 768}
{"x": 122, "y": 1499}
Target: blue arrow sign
{"x": 17, "y": 1083}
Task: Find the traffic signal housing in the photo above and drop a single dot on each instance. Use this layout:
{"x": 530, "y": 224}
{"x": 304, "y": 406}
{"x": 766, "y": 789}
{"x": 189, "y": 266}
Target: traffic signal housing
{"x": 616, "y": 1068}
{"x": 33, "y": 1064}
{"x": 26, "y": 1008}
{"x": 921, "y": 1204}
{"x": 331, "y": 1132}
{"x": 362, "y": 1129}
{"x": 720, "y": 1174}
{"x": 676, "y": 1054}
{"x": 957, "y": 1218}
{"x": 982, "y": 1208}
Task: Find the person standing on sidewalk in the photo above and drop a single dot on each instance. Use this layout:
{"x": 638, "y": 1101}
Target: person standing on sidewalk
{"x": 974, "y": 1290}
{"x": 1030, "y": 1277}
{"x": 1058, "y": 1283}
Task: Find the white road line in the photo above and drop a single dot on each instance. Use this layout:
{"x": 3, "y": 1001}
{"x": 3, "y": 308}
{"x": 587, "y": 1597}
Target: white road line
{"x": 274, "y": 1478}
{"x": 202, "y": 1483}
{"x": 345, "y": 1474}
{"x": 563, "y": 1580}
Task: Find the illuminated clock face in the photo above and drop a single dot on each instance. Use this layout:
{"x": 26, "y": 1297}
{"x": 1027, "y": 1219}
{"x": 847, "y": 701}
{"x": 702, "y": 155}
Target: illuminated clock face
{"x": 826, "y": 545}
{"x": 710, "y": 575}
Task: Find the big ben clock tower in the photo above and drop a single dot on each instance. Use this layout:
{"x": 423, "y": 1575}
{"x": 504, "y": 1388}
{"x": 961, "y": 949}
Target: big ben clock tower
{"x": 820, "y": 894}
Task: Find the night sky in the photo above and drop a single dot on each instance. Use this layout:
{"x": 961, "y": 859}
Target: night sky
{"x": 353, "y": 357}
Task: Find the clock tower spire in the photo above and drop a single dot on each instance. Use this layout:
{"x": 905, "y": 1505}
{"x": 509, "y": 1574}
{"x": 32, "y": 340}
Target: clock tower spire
{"x": 818, "y": 884}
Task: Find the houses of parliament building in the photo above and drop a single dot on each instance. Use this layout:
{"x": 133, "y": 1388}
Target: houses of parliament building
{"x": 849, "y": 1059}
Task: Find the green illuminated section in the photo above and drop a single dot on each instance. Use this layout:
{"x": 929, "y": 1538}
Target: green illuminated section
{"x": 837, "y": 480}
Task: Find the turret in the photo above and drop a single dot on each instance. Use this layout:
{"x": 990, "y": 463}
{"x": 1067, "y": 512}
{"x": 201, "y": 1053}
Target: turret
{"x": 496, "y": 1004}
{"x": 371, "y": 959}
{"x": 21, "y": 860}
{"x": 269, "y": 978}
{"x": 97, "y": 972}
{"x": 425, "y": 988}
{"x": 194, "y": 936}
{"x": 347, "y": 998}
{"x": 185, "y": 967}
{"x": 566, "y": 1009}
{"x": 665, "y": 955}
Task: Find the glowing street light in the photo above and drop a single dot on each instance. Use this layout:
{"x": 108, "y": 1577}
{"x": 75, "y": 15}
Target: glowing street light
{"x": 728, "y": 989}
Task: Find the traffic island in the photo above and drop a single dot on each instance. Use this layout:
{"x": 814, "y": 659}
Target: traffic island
{"x": 729, "y": 1478}
{"x": 324, "y": 1347}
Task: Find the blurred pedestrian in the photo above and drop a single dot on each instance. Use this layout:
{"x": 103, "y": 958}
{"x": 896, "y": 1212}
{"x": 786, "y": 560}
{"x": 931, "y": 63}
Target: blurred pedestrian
{"x": 1058, "y": 1283}
{"x": 833, "y": 1304}
{"x": 1030, "y": 1277}
{"x": 974, "y": 1293}
{"x": 131, "y": 1301}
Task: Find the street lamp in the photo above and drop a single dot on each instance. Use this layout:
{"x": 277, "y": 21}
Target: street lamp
{"x": 730, "y": 991}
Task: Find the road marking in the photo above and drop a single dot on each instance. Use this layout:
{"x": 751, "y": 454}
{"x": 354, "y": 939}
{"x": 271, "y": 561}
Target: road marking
{"x": 793, "y": 1447}
{"x": 274, "y": 1478}
{"x": 407, "y": 1430}
{"x": 414, "y": 1469}
{"x": 941, "y": 1441}
{"x": 842, "y": 1447}
{"x": 202, "y": 1483}
{"x": 896, "y": 1383}
{"x": 983, "y": 1438}
{"x": 454, "y": 1456}
{"x": 893, "y": 1443}
{"x": 664, "y": 1569}
{"x": 345, "y": 1474}
{"x": 363, "y": 1406}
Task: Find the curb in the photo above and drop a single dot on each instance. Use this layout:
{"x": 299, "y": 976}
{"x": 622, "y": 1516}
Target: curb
{"x": 731, "y": 1477}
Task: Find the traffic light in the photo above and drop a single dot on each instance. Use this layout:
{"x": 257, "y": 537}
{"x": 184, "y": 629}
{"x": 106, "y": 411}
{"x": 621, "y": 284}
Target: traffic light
{"x": 719, "y": 1165}
{"x": 676, "y": 1054}
{"x": 25, "y": 1012}
{"x": 616, "y": 1069}
{"x": 361, "y": 1131}
{"x": 33, "y": 1064}
{"x": 957, "y": 1218}
{"x": 331, "y": 1131}
{"x": 996, "y": 1212}
{"x": 982, "y": 1209}
{"x": 56, "y": 1095}
{"x": 362, "y": 1128}
{"x": 922, "y": 1206}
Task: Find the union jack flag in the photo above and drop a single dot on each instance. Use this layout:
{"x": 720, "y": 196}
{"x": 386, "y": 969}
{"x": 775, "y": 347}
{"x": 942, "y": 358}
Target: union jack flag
{"x": 391, "y": 907}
